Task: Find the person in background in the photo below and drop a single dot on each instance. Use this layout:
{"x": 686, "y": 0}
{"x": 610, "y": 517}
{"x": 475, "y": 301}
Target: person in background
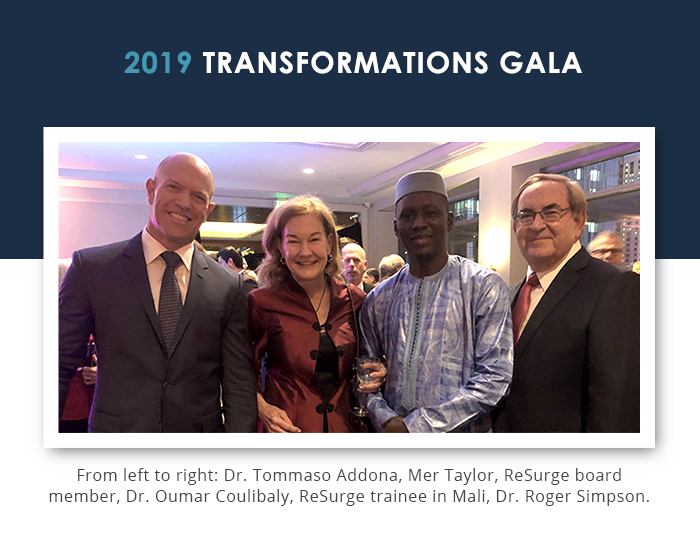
{"x": 371, "y": 276}
{"x": 304, "y": 319}
{"x": 74, "y": 418}
{"x": 443, "y": 323}
{"x": 231, "y": 258}
{"x": 170, "y": 326}
{"x": 354, "y": 266}
{"x": 607, "y": 246}
{"x": 390, "y": 265}
{"x": 575, "y": 323}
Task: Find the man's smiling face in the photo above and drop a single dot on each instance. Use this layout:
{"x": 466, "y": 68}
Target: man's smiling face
{"x": 544, "y": 245}
{"x": 422, "y": 222}
{"x": 180, "y": 197}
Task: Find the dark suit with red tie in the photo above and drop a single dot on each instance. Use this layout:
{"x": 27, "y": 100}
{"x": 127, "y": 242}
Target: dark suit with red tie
{"x": 576, "y": 366}
{"x": 140, "y": 388}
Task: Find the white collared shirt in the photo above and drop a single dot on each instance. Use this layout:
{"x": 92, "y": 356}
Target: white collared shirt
{"x": 546, "y": 278}
{"x": 155, "y": 265}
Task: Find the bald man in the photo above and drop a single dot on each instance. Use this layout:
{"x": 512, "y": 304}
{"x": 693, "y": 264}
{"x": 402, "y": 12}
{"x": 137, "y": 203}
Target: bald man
{"x": 170, "y": 325}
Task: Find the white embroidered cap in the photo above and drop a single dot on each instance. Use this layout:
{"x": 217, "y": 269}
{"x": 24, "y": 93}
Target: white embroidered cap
{"x": 420, "y": 181}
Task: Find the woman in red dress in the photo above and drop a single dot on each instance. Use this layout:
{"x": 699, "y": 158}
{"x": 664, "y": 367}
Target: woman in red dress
{"x": 304, "y": 320}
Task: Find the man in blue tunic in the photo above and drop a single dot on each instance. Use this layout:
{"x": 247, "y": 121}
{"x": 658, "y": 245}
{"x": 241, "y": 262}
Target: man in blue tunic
{"x": 443, "y": 322}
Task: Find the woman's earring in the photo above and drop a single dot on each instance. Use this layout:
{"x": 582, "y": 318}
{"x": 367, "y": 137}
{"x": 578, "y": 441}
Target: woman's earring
{"x": 330, "y": 258}
{"x": 283, "y": 260}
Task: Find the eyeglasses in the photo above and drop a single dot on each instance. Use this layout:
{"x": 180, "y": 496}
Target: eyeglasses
{"x": 549, "y": 215}
{"x": 606, "y": 251}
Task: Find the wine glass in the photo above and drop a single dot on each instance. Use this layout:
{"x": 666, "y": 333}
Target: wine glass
{"x": 363, "y": 371}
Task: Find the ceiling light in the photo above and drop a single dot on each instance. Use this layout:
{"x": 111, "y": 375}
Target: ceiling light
{"x": 141, "y": 156}
{"x": 229, "y": 230}
{"x": 308, "y": 171}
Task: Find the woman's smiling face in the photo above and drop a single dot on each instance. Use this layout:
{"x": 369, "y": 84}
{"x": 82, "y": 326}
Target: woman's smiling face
{"x": 305, "y": 247}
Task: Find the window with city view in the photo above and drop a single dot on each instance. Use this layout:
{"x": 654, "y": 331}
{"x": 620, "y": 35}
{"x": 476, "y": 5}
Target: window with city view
{"x": 616, "y": 172}
{"x": 464, "y": 238}
{"x": 612, "y": 190}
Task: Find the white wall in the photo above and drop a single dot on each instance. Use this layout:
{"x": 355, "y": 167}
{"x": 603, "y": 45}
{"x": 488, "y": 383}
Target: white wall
{"x": 380, "y": 240}
{"x": 85, "y": 224}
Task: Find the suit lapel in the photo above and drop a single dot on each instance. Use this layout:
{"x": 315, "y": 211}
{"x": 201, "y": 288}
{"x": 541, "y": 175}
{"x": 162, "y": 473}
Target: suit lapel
{"x": 197, "y": 277}
{"x": 136, "y": 267}
{"x": 514, "y": 294}
{"x": 568, "y": 276}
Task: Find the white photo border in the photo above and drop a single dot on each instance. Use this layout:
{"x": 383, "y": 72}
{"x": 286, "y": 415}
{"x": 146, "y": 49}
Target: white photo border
{"x": 52, "y": 439}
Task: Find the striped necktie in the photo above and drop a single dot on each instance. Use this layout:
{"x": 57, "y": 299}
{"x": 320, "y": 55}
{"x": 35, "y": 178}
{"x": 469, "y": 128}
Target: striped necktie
{"x": 170, "y": 303}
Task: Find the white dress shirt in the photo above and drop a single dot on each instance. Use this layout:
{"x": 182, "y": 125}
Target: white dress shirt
{"x": 546, "y": 277}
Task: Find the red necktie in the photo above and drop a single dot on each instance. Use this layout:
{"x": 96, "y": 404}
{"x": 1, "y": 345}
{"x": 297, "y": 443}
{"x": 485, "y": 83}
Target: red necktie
{"x": 522, "y": 305}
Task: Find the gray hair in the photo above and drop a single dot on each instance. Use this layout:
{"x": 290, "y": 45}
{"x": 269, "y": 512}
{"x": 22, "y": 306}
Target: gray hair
{"x": 390, "y": 265}
{"x": 577, "y": 198}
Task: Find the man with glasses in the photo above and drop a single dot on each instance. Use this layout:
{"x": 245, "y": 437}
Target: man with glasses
{"x": 575, "y": 323}
{"x": 607, "y": 247}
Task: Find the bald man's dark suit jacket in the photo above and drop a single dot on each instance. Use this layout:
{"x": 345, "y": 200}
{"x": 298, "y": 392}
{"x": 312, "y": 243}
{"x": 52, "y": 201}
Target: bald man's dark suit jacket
{"x": 140, "y": 387}
{"x": 576, "y": 366}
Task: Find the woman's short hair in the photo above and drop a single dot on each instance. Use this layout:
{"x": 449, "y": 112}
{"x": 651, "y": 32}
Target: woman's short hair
{"x": 271, "y": 272}
{"x": 577, "y": 198}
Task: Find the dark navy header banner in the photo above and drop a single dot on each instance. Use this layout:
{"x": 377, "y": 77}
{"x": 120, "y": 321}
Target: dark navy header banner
{"x": 310, "y": 64}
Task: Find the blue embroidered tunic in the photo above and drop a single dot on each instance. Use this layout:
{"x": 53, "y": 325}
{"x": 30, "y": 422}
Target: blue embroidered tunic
{"x": 448, "y": 341}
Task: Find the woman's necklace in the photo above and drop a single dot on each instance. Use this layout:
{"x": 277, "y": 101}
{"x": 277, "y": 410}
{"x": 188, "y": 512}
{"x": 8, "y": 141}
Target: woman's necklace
{"x": 325, "y": 285}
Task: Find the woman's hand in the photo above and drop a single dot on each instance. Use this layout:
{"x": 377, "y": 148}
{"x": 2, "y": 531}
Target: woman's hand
{"x": 378, "y": 376}
{"x": 275, "y": 419}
